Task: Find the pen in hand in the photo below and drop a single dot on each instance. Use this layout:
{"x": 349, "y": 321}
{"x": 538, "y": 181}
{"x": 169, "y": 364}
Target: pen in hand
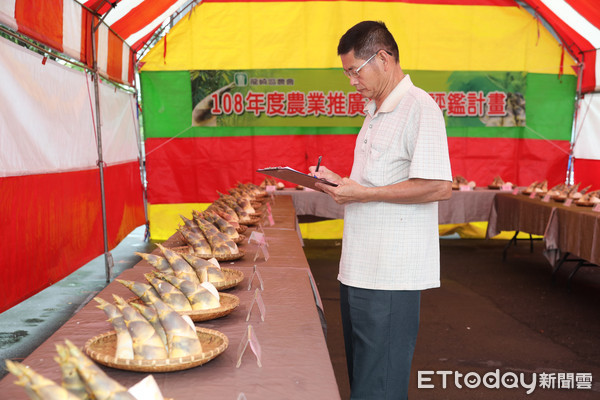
{"x": 318, "y": 164}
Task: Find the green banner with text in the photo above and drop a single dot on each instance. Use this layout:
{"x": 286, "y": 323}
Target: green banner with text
{"x": 190, "y": 103}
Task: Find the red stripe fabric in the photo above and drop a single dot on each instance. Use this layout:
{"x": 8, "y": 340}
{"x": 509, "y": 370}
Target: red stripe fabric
{"x": 140, "y": 43}
{"x": 523, "y": 161}
{"x": 115, "y": 55}
{"x": 588, "y": 79}
{"x": 587, "y": 8}
{"x": 509, "y": 3}
{"x": 41, "y": 20}
{"x": 52, "y": 224}
{"x": 124, "y": 200}
{"x": 140, "y": 16}
{"x": 99, "y": 6}
{"x": 587, "y": 172}
{"x": 574, "y": 42}
{"x": 579, "y": 47}
{"x": 193, "y": 169}
{"x": 86, "y": 37}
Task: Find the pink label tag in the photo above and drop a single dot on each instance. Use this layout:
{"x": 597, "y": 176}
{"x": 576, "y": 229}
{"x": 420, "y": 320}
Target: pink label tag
{"x": 265, "y": 251}
{"x": 465, "y": 188}
{"x": 596, "y": 208}
{"x": 546, "y": 198}
{"x": 568, "y": 202}
{"x": 271, "y": 188}
{"x": 249, "y": 338}
{"x": 506, "y": 186}
{"x": 257, "y": 237}
{"x": 532, "y": 195}
{"x": 261, "y": 307}
{"x": 516, "y": 190}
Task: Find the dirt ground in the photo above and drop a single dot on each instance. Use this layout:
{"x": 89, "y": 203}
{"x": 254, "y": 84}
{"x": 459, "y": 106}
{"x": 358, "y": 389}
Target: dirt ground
{"x": 491, "y": 321}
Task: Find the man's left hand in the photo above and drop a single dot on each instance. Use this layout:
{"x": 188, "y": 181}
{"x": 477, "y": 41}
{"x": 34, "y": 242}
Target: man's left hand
{"x": 347, "y": 191}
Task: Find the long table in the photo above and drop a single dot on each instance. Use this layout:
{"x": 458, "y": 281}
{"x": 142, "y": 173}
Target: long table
{"x": 517, "y": 212}
{"x": 575, "y": 230}
{"x": 567, "y": 230}
{"x": 462, "y": 207}
{"x": 295, "y": 359}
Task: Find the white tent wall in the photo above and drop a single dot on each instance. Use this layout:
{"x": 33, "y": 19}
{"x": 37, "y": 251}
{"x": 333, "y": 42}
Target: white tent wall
{"x": 49, "y": 112}
{"x": 586, "y": 137}
{"x": 46, "y": 122}
{"x": 120, "y": 132}
{"x": 7, "y": 13}
{"x": 51, "y": 215}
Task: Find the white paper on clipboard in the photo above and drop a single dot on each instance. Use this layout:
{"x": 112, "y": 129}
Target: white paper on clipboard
{"x": 291, "y": 175}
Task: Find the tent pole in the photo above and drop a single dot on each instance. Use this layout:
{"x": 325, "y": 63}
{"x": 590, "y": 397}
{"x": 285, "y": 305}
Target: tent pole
{"x": 570, "y": 170}
{"x": 142, "y": 157}
{"x": 108, "y": 261}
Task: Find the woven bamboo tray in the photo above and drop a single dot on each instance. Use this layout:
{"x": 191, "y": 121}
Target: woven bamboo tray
{"x": 232, "y": 278}
{"x": 231, "y": 257}
{"x": 250, "y": 221}
{"x": 239, "y": 239}
{"x": 538, "y": 194}
{"x": 229, "y": 302}
{"x": 101, "y": 348}
{"x": 585, "y": 203}
{"x": 498, "y": 187}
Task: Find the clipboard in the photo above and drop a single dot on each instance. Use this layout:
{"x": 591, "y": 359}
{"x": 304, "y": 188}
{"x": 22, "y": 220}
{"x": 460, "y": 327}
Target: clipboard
{"x": 291, "y": 175}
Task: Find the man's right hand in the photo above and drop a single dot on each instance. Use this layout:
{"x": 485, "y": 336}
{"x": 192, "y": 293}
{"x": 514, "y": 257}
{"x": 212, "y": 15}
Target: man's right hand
{"x": 325, "y": 173}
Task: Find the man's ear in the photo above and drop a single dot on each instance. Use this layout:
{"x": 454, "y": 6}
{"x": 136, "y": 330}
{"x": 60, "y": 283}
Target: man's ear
{"x": 386, "y": 59}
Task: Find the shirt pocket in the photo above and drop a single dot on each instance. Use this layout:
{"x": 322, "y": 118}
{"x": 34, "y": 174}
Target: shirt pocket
{"x": 376, "y": 169}
{"x": 382, "y": 151}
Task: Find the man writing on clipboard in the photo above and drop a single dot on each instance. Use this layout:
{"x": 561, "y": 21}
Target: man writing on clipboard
{"x": 390, "y": 248}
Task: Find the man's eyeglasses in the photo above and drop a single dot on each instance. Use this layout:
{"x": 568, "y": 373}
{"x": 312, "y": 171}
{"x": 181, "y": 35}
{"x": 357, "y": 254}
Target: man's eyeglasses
{"x": 355, "y": 73}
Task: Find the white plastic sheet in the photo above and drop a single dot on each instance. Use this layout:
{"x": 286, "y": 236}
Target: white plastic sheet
{"x": 47, "y": 119}
{"x": 119, "y": 125}
{"x": 587, "y": 128}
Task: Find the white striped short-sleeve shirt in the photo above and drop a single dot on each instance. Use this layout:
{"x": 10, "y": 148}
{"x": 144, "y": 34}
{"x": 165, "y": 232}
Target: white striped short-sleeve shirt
{"x": 390, "y": 246}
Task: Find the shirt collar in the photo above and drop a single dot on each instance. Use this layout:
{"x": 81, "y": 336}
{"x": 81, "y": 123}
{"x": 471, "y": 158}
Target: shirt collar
{"x": 393, "y": 99}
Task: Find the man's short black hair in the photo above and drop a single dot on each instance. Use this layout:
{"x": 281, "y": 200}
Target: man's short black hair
{"x": 366, "y": 38}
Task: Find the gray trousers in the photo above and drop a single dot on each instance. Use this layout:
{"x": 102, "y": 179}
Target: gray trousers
{"x": 380, "y": 332}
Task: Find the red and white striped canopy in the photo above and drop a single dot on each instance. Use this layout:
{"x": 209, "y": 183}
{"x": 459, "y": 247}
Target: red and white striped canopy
{"x": 577, "y": 23}
{"x": 129, "y": 24}
{"x": 134, "y": 20}
{"x": 121, "y": 27}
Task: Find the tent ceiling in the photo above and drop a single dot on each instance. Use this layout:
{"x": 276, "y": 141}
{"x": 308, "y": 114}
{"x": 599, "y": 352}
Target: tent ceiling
{"x": 577, "y": 23}
{"x": 134, "y": 20}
